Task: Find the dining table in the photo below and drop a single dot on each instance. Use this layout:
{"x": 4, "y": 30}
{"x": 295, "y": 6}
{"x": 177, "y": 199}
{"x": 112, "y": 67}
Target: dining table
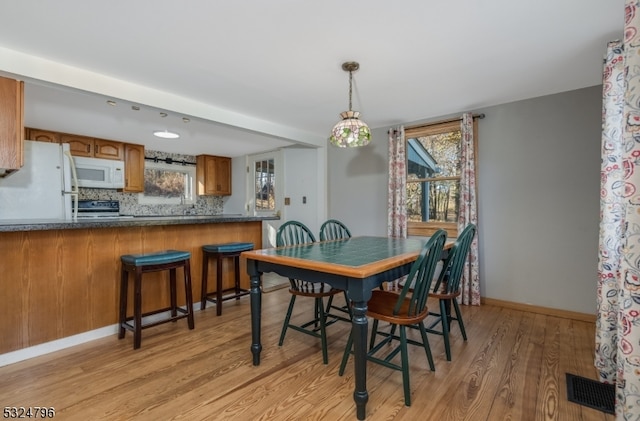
{"x": 357, "y": 265}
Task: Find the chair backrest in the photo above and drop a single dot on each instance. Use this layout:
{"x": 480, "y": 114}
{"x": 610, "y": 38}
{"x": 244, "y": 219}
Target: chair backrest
{"x": 333, "y": 229}
{"x": 418, "y": 282}
{"x": 294, "y": 232}
{"x": 453, "y": 266}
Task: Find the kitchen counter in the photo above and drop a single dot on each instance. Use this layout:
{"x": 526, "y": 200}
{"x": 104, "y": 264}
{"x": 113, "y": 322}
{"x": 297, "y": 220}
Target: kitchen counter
{"x": 63, "y": 277}
{"x": 12, "y": 225}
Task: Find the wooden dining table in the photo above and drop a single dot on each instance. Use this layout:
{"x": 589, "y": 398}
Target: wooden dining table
{"x": 357, "y": 265}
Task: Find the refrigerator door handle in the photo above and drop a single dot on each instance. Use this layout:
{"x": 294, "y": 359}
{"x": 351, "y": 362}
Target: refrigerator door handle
{"x": 74, "y": 185}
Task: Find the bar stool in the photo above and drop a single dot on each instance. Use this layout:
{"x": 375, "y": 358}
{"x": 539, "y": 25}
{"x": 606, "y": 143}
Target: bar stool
{"x": 219, "y": 252}
{"x": 153, "y": 262}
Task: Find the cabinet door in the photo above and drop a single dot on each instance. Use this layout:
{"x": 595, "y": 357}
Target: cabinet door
{"x": 108, "y": 149}
{"x": 11, "y": 125}
{"x": 133, "y": 168}
{"x": 42, "y": 135}
{"x": 213, "y": 175}
{"x": 223, "y": 176}
{"x": 205, "y": 171}
{"x": 79, "y": 145}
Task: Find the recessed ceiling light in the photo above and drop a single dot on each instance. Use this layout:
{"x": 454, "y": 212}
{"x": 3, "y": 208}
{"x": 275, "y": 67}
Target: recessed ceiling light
{"x": 185, "y": 119}
{"x": 112, "y": 103}
{"x": 165, "y": 134}
{"x": 163, "y": 115}
{"x": 135, "y": 108}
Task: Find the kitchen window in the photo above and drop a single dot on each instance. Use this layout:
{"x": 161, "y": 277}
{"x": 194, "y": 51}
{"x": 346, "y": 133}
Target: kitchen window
{"x": 168, "y": 184}
{"x": 433, "y": 177}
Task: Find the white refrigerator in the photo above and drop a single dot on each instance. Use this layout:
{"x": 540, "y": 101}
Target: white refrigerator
{"x": 43, "y": 187}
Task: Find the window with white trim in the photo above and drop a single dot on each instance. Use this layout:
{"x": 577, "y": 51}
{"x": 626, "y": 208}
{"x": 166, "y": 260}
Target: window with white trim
{"x": 168, "y": 184}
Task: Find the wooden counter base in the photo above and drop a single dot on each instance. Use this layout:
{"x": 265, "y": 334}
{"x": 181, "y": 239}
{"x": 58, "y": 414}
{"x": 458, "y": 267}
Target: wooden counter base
{"x": 59, "y": 283}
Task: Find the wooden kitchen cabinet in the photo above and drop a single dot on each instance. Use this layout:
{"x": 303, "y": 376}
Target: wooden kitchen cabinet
{"x": 11, "y": 125}
{"x": 79, "y": 145}
{"x": 93, "y": 148}
{"x": 108, "y": 149}
{"x": 213, "y": 175}
{"x": 41, "y": 135}
{"x": 133, "y": 168}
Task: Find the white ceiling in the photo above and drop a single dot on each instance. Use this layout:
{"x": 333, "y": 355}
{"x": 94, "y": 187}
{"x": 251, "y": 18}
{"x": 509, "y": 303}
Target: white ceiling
{"x": 255, "y": 75}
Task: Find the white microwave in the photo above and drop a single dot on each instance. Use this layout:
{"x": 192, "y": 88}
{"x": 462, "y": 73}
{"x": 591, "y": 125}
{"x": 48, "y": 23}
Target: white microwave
{"x": 99, "y": 173}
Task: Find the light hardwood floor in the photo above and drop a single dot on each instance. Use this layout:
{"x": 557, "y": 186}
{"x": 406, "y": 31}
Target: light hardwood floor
{"x": 512, "y": 367}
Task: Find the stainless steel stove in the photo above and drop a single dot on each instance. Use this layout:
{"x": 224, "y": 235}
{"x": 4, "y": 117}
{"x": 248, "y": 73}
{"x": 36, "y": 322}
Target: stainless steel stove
{"x": 99, "y": 209}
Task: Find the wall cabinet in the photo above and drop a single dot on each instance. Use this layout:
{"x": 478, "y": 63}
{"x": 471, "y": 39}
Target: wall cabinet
{"x": 41, "y": 135}
{"x": 133, "y": 168}
{"x": 108, "y": 149}
{"x": 11, "y": 125}
{"x": 94, "y": 148}
{"x": 213, "y": 175}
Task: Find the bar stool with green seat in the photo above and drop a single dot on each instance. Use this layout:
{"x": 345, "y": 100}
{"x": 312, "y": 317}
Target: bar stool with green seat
{"x": 139, "y": 264}
{"x": 220, "y": 252}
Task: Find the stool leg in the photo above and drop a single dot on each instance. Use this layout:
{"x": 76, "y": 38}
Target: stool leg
{"x": 236, "y": 260}
{"x": 124, "y": 278}
{"x": 137, "y": 309}
{"x": 172, "y": 292}
{"x": 205, "y": 271}
{"x": 188, "y": 293}
{"x": 218, "y": 285}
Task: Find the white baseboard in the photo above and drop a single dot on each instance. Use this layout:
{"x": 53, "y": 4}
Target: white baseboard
{"x": 57, "y": 345}
{"x": 69, "y": 341}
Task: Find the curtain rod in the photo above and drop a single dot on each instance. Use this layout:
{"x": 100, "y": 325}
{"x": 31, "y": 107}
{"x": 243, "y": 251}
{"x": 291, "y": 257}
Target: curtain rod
{"x": 480, "y": 116}
{"x": 168, "y": 160}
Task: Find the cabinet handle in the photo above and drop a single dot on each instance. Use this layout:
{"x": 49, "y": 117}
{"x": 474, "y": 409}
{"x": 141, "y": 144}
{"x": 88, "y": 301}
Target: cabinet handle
{"x": 96, "y": 149}
{"x": 88, "y": 148}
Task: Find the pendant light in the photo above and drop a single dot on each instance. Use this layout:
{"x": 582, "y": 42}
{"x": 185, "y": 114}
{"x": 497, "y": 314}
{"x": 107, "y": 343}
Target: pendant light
{"x": 350, "y": 131}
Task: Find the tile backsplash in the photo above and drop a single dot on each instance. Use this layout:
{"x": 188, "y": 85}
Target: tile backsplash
{"x": 205, "y": 205}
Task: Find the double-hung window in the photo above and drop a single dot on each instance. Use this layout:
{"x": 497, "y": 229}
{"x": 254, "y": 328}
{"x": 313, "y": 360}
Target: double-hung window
{"x": 433, "y": 177}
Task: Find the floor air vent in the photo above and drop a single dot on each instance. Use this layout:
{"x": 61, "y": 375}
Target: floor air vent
{"x": 591, "y": 393}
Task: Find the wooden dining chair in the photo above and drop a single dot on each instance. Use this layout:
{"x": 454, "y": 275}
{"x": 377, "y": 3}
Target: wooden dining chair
{"x": 402, "y": 310}
{"x": 447, "y": 288}
{"x": 294, "y": 233}
{"x": 333, "y": 229}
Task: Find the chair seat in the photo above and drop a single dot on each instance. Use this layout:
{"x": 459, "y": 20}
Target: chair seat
{"x": 158, "y": 258}
{"x": 443, "y": 294}
{"x": 381, "y": 305}
{"x": 313, "y": 289}
{"x": 227, "y": 247}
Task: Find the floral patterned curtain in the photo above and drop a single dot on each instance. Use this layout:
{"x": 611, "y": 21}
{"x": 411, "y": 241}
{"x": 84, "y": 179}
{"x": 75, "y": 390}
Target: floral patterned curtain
{"x": 617, "y": 354}
{"x": 397, "y": 199}
{"x": 468, "y": 213}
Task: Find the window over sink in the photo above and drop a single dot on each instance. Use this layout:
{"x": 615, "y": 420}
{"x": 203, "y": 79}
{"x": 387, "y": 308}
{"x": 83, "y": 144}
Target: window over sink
{"x": 168, "y": 184}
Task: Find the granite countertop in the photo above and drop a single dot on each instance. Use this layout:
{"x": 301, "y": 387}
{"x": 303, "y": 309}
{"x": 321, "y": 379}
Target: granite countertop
{"x": 10, "y": 225}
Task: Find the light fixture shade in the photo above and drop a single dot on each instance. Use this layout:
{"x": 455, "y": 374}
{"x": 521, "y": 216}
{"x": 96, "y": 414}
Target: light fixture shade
{"x": 165, "y": 134}
{"x": 350, "y": 132}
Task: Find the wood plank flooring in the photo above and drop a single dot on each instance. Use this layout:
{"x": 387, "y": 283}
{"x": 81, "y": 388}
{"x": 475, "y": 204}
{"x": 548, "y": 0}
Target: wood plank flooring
{"x": 512, "y": 368}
